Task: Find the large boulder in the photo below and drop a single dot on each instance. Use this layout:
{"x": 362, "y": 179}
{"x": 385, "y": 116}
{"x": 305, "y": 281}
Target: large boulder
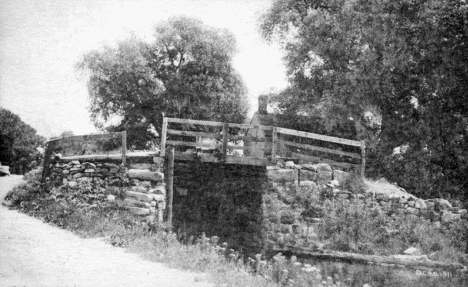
{"x": 145, "y": 175}
{"x": 282, "y": 175}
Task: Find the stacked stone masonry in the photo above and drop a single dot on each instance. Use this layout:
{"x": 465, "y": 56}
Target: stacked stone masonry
{"x": 143, "y": 184}
{"x": 256, "y": 208}
{"x": 290, "y": 222}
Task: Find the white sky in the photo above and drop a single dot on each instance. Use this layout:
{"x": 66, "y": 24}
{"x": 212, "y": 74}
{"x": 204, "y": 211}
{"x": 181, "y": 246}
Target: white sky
{"x": 40, "y": 42}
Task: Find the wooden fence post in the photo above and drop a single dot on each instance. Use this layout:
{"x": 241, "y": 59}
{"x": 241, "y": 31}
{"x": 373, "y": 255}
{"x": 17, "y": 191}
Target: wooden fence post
{"x": 273, "y": 144}
{"x": 163, "y": 137}
{"x": 170, "y": 186}
{"x": 225, "y": 140}
{"x": 124, "y": 147}
{"x": 363, "y": 158}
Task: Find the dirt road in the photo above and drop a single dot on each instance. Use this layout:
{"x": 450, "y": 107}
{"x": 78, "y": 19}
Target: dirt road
{"x": 33, "y": 253}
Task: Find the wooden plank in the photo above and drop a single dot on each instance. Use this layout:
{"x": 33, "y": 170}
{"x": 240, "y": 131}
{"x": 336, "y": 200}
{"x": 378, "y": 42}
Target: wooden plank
{"x": 318, "y": 137}
{"x": 194, "y": 144}
{"x": 195, "y": 122}
{"x": 363, "y": 159}
{"x": 322, "y": 149}
{"x": 248, "y": 138}
{"x": 170, "y": 187}
{"x": 163, "y": 137}
{"x": 324, "y": 160}
{"x": 215, "y": 159}
{"x": 273, "y": 144}
{"x": 124, "y": 147}
{"x": 225, "y": 140}
{"x": 249, "y": 126}
{"x": 194, "y": 134}
{"x": 87, "y": 137}
{"x": 236, "y": 147}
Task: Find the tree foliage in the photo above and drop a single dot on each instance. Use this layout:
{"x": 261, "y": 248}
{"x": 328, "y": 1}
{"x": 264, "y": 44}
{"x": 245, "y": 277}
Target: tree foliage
{"x": 186, "y": 72}
{"x": 405, "y": 59}
{"x": 18, "y": 143}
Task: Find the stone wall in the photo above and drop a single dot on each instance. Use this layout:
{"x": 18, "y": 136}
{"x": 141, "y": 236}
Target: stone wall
{"x": 142, "y": 180}
{"x": 252, "y": 208}
{"x": 294, "y": 195}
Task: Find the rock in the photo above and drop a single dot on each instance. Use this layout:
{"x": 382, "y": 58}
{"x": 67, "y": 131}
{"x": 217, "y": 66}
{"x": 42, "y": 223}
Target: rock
{"x": 111, "y": 198}
{"x": 160, "y": 189}
{"x": 310, "y": 167}
{"x": 420, "y": 204}
{"x": 83, "y": 179}
{"x": 413, "y": 251}
{"x": 411, "y": 203}
{"x": 340, "y": 176}
{"x": 323, "y": 167}
{"x": 324, "y": 177}
{"x": 462, "y": 211}
{"x": 113, "y": 170}
{"x": 142, "y": 196}
{"x": 412, "y": 210}
{"x": 448, "y": 217}
{"x": 159, "y": 161}
{"x": 403, "y": 200}
{"x": 72, "y": 184}
{"x": 139, "y": 189}
{"x": 140, "y": 166}
{"x": 77, "y": 175}
{"x": 382, "y": 197}
{"x": 75, "y": 162}
{"x": 307, "y": 175}
{"x": 136, "y": 203}
{"x": 282, "y": 175}
{"x": 90, "y": 170}
{"x": 65, "y": 171}
{"x": 442, "y": 204}
{"x": 90, "y": 165}
{"x": 138, "y": 210}
{"x": 272, "y": 167}
{"x": 289, "y": 164}
{"x": 145, "y": 175}
{"x": 64, "y": 181}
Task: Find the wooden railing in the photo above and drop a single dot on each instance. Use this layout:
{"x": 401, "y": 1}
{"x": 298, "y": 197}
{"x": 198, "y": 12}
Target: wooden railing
{"x": 262, "y": 144}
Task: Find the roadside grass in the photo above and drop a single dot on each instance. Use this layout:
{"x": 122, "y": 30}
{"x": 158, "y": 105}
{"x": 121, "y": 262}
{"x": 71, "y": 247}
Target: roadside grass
{"x": 86, "y": 211}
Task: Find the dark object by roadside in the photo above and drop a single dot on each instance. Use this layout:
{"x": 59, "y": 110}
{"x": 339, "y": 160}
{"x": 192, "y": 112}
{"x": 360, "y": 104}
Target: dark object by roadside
{"x": 4, "y": 170}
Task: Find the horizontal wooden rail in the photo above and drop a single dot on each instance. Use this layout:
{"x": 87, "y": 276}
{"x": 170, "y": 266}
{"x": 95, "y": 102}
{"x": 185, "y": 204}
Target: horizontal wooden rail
{"x": 195, "y": 122}
{"x": 88, "y": 137}
{"x": 318, "y": 137}
{"x": 317, "y": 148}
{"x": 194, "y": 144}
{"x": 194, "y": 134}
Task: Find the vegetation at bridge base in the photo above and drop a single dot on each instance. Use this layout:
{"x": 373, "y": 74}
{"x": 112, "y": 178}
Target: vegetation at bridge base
{"x": 18, "y": 143}
{"x": 86, "y": 211}
{"x": 186, "y": 72}
{"x": 397, "y": 70}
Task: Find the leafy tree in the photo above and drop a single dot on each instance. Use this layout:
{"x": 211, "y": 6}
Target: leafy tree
{"x": 403, "y": 60}
{"x": 18, "y": 143}
{"x": 186, "y": 72}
